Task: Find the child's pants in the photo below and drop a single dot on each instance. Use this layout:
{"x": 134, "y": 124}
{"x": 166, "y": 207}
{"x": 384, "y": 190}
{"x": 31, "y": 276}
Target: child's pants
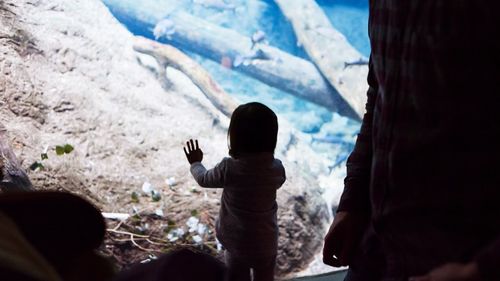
{"x": 239, "y": 268}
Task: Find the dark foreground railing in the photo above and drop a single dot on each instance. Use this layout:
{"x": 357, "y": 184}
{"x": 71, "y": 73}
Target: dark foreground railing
{"x": 330, "y": 276}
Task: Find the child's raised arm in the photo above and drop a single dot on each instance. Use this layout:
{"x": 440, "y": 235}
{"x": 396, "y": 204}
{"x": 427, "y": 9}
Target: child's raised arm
{"x": 211, "y": 178}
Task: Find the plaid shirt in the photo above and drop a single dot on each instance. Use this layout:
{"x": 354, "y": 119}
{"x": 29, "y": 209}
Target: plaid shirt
{"x": 426, "y": 165}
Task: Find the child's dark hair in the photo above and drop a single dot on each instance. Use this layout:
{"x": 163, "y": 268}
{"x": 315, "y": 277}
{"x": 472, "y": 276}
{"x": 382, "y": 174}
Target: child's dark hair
{"x": 253, "y": 129}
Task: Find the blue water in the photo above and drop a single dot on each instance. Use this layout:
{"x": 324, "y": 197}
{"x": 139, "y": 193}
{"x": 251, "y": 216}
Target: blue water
{"x": 351, "y": 18}
{"x": 348, "y": 16}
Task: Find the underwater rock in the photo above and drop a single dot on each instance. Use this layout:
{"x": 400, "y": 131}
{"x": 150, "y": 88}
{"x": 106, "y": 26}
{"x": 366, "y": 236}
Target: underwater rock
{"x": 12, "y": 175}
{"x": 304, "y": 210}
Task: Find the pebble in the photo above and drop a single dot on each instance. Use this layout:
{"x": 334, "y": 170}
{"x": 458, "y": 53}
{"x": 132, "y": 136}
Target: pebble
{"x": 192, "y": 223}
{"x": 175, "y": 234}
{"x": 197, "y": 239}
{"x": 147, "y": 188}
{"x": 159, "y": 212}
{"x": 171, "y": 181}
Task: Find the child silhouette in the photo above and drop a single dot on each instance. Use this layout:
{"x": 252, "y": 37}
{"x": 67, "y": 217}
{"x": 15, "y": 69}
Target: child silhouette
{"x": 247, "y": 224}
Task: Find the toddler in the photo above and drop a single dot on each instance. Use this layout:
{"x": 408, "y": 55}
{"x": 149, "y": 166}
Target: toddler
{"x": 247, "y": 224}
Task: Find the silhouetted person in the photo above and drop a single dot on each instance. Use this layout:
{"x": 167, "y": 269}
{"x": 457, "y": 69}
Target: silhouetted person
{"x": 178, "y": 265}
{"x": 247, "y": 224}
{"x": 424, "y": 175}
{"x": 47, "y": 235}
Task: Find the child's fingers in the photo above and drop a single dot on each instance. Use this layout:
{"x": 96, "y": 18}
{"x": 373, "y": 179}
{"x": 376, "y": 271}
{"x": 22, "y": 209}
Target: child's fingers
{"x": 192, "y": 144}
{"x": 197, "y": 147}
{"x": 185, "y": 152}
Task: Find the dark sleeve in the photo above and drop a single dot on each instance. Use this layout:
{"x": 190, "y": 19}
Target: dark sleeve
{"x": 214, "y": 177}
{"x": 356, "y": 184}
{"x": 488, "y": 261}
{"x": 282, "y": 172}
{"x": 284, "y": 176}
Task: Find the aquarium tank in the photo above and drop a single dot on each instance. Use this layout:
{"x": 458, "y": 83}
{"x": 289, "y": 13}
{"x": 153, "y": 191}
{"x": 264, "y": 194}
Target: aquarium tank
{"x": 230, "y": 39}
{"x": 126, "y": 83}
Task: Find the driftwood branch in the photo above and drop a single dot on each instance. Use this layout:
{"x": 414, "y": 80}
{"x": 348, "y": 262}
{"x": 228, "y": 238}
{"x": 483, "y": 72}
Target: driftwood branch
{"x": 329, "y": 50}
{"x": 167, "y": 55}
{"x": 12, "y": 175}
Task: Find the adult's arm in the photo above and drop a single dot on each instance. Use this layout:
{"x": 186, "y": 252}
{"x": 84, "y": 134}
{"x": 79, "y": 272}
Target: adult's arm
{"x": 355, "y": 197}
{"x": 209, "y": 178}
{"x": 349, "y": 224}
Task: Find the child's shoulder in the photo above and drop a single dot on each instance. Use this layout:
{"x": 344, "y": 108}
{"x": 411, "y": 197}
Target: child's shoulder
{"x": 277, "y": 162}
{"x": 225, "y": 161}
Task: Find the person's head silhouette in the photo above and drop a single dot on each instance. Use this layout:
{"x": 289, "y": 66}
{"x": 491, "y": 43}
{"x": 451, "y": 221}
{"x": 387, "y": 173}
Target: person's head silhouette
{"x": 253, "y": 129}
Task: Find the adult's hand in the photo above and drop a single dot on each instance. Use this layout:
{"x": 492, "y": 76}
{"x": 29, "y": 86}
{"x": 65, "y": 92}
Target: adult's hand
{"x": 343, "y": 238}
{"x": 451, "y": 272}
{"x": 193, "y": 152}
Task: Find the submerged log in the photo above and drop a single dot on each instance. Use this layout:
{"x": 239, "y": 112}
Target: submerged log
{"x": 167, "y": 55}
{"x": 268, "y": 64}
{"x": 329, "y": 50}
{"x": 12, "y": 175}
{"x": 271, "y": 66}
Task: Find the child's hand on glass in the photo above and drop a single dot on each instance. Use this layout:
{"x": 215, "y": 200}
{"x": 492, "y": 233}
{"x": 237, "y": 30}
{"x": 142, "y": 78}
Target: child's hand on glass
{"x": 193, "y": 152}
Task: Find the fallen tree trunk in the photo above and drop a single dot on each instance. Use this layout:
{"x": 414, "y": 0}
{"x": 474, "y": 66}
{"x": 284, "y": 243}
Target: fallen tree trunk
{"x": 281, "y": 70}
{"x": 329, "y": 50}
{"x": 167, "y": 55}
{"x": 12, "y": 176}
